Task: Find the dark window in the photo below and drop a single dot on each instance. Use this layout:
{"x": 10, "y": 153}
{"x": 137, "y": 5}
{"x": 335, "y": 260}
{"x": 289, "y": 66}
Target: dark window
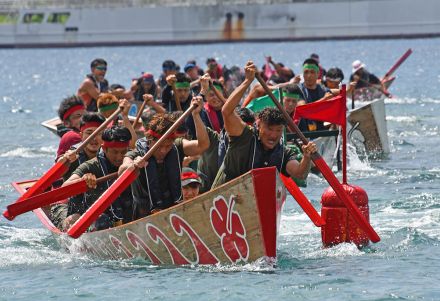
{"x": 33, "y": 18}
{"x": 58, "y": 18}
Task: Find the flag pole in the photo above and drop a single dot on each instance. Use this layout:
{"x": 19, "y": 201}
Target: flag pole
{"x": 344, "y": 138}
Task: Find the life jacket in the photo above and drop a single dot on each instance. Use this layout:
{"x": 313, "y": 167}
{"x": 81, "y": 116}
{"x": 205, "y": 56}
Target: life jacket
{"x": 259, "y": 160}
{"x": 89, "y": 101}
{"x": 81, "y": 203}
{"x": 147, "y": 193}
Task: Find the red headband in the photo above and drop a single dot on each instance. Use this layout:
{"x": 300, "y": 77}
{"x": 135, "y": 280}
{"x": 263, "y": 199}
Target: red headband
{"x": 72, "y": 110}
{"x": 90, "y": 124}
{"x": 115, "y": 144}
{"x": 189, "y": 175}
{"x": 158, "y": 136}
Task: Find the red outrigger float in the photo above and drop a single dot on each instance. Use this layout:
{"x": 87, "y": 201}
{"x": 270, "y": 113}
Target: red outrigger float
{"x": 236, "y": 223}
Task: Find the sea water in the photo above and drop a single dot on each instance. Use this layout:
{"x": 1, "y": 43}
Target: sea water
{"x": 403, "y": 187}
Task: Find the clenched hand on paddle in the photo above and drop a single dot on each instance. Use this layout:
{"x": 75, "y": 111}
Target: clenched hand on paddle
{"x": 59, "y": 169}
{"x": 325, "y": 170}
{"x": 126, "y": 178}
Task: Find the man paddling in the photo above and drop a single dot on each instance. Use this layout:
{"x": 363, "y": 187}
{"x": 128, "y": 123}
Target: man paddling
{"x": 211, "y": 112}
{"x": 363, "y": 78}
{"x": 182, "y": 84}
{"x": 254, "y": 148}
{"x": 70, "y": 112}
{"x": 158, "y": 184}
{"x": 108, "y": 103}
{"x": 312, "y": 92}
{"x": 114, "y": 147}
{"x": 94, "y": 84}
{"x": 89, "y": 123}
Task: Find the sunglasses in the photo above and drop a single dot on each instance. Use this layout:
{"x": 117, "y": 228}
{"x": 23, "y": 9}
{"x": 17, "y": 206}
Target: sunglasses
{"x": 101, "y": 68}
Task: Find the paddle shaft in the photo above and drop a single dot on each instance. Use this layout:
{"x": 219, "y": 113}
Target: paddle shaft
{"x": 397, "y": 64}
{"x": 124, "y": 180}
{"x": 139, "y": 113}
{"x": 176, "y": 98}
{"x": 98, "y": 130}
{"x": 76, "y": 187}
{"x": 325, "y": 170}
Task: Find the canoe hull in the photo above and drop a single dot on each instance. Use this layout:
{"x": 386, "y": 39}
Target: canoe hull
{"x": 236, "y": 223}
{"x": 368, "y": 128}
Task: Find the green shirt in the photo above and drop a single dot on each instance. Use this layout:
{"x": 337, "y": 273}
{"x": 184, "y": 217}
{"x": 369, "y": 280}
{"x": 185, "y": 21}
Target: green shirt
{"x": 208, "y": 163}
{"x": 239, "y": 157}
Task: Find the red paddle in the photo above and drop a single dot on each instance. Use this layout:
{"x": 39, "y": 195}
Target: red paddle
{"x": 397, "y": 64}
{"x": 325, "y": 171}
{"x": 60, "y": 168}
{"x": 302, "y": 200}
{"x": 77, "y": 187}
{"x": 118, "y": 186}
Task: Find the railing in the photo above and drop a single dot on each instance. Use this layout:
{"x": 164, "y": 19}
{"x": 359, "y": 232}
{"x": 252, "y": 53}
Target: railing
{"x": 17, "y": 4}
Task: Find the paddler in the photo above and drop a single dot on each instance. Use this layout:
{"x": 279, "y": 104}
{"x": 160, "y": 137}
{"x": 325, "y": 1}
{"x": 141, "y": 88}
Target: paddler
{"x": 191, "y": 183}
{"x": 182, "y": 84}
{"x": 158, "y": 184}
{"x": 363, "y": 78}
{"x": 89, "y": 123}
{"x": 70, "y": 111}
{"x": 108, "y": 103}
{"x": 114, "y": 147}
{"x": 211, "y": 112}
{"x": 313, "y": 91}
{"x": 94, "y": 84}
{"x": 261, "y": 147}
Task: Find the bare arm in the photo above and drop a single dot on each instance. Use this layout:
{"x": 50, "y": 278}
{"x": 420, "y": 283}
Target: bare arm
{"x": 89, "y": 87}
{"x": 300, "y": 170}
{"x": 233, "y": 124}
{"x": 126, "y": 105}
{"x": 197, "y": 147}
{"x": 151, "y": 103}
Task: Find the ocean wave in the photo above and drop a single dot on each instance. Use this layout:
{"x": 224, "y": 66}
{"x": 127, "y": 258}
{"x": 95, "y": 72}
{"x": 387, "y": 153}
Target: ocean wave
{"x": 28, "y": 247}
{"x": 403, "y": 119}
{"x": 26, "y": 152}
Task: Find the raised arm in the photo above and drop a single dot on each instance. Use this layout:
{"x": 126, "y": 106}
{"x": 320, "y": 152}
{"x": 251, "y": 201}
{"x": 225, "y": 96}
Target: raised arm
{"x": 233, "y": 124}
{"x": 197, "y": 147}
{"x": 126, "y": 121}
{"x": 152, "y": 104}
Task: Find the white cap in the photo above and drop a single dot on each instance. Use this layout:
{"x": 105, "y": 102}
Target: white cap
{"x": 357, "y": 65}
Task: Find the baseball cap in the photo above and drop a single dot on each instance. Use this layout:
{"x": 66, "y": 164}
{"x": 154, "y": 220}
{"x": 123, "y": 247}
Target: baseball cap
{"x": 188, "y": 67}
{"x": 189, "y": 175}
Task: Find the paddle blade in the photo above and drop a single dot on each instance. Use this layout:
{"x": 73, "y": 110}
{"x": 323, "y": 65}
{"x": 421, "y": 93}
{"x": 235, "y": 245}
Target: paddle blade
{"x": 103, "y": 202}
{"x": 302, "y": 200}
{"x": 47, "y": 198}
{"x": 348, "y": 202}
{"x": 54, "y": 173}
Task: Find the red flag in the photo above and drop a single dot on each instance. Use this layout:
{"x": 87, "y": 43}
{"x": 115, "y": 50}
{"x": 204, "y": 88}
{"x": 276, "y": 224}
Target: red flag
{"x": 332, "y": 110}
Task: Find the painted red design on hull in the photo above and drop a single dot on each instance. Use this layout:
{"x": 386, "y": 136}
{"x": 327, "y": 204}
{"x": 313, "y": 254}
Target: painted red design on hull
{"x": 156, "y": 235}
{"x": 204, "y": 254}
{"x": 120, "y": 247}
{"x": 137, "y": 243}
{"x": 227, "y": 224}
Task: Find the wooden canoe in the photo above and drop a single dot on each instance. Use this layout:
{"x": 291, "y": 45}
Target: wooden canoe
{"x": 236, "y": 223}
{"x": 371, "y": 93}
{"x": 367, "y": 128}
